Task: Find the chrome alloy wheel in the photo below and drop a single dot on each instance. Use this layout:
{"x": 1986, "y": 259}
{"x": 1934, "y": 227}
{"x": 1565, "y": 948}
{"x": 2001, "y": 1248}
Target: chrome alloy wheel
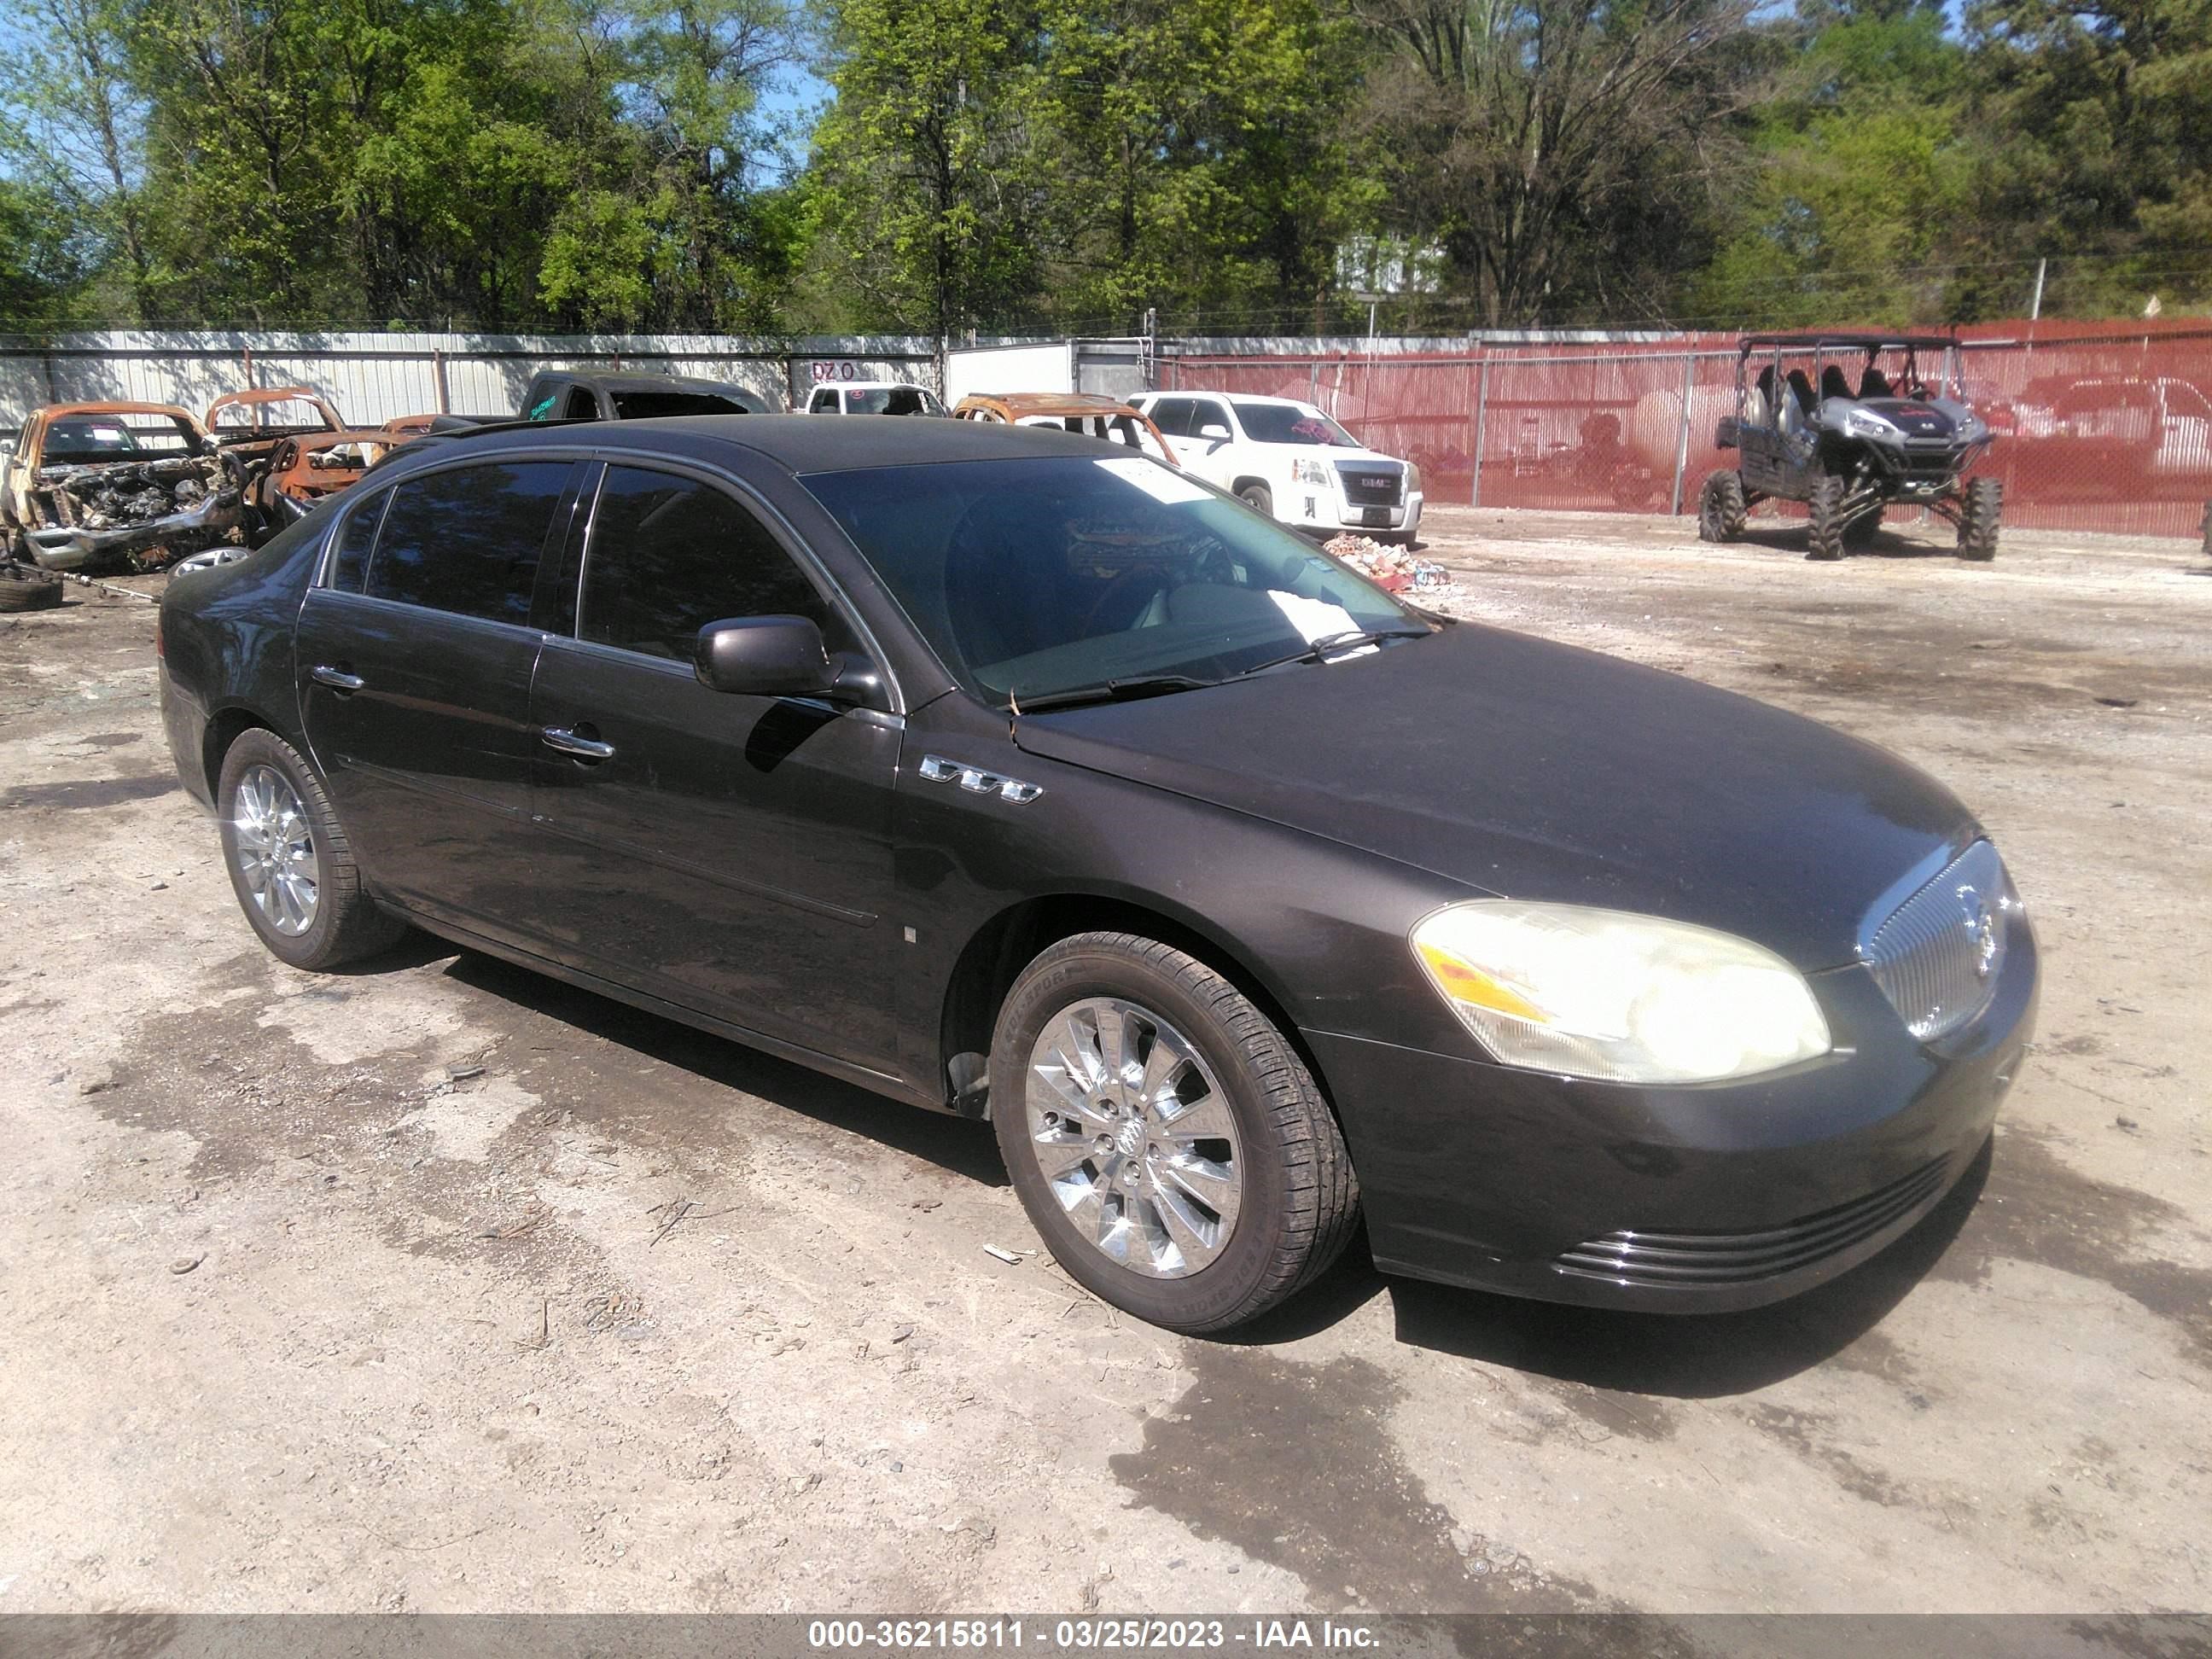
{"x": 276, "y": 850}
{"x": 1135, "y": 1137}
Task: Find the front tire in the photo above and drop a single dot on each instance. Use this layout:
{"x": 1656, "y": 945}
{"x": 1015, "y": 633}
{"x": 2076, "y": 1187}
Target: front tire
{"x": 1167, "y": 1141}
{"x": 1259, "y": 498}
{"x": 1825, "y": 509}
{"x": 1979, "y": 508}
{"x": 290, "y": 864}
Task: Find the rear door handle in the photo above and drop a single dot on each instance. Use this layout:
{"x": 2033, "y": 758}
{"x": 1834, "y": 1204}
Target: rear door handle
{"x": 337, "y": 679}
{"x": 560, "y": 737}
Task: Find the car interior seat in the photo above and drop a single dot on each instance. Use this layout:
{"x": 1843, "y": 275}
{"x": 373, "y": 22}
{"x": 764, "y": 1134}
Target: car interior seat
{"x": 1833, "y": 383}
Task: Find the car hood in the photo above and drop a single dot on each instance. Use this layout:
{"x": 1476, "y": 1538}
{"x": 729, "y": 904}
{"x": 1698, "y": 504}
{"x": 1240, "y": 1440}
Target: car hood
{"x": 1535, "y": 770}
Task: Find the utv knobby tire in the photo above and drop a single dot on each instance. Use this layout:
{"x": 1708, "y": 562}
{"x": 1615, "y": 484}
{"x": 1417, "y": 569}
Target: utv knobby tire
{"x": 1824, "y": 530}
{"x": 1299, "y": 1201}
{"x": 1721, "y": 508}
{"x": 1980, "y": 506}
{"x": 347, "y": 924}
{"x": 27, "y": 591}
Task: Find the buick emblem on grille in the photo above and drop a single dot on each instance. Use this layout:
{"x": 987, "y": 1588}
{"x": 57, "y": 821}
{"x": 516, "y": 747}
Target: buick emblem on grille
{"x": 1981, "y": 924}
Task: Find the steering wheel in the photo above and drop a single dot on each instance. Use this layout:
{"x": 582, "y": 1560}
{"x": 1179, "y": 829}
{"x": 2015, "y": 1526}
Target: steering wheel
{"x": 1115, "y": 586}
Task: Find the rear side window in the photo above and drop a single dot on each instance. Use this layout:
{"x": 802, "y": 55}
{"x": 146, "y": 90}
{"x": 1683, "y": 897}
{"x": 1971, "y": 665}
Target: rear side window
{"x": 668, "y": 555}
{"x": 356, "y": 537}
{"x": 468, "y": 541}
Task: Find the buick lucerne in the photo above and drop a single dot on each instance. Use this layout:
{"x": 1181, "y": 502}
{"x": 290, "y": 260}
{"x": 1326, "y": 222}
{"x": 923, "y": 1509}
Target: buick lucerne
{"x": 1012, "y": 775}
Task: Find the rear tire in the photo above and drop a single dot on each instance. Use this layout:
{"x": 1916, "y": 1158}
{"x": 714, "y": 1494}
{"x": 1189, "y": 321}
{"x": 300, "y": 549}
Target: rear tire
{"x": 1721, "y": 508}
{"x": 1259, "y": 498}
{"x": 1086, "y": 1105}
{"x": 1825, "y": 531}
{"x": 279, "y": 829}
{"x": 1980, "y": 506}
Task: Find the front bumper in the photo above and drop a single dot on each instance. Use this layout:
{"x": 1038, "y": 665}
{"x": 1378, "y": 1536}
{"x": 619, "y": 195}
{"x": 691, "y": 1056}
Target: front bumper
{"x": 1705, "y": 1200}
{"x": 1311, "y": 508}
{"x": 61, "y": 548}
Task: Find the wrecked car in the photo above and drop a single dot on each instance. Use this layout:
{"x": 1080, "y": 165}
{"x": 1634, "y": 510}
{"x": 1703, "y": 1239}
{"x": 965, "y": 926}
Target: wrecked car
{"x": 1088, "y": 413}
{"x": 304, "y": 471}
{"x": 250, "y": 428}
{"x": 110, "y": 484}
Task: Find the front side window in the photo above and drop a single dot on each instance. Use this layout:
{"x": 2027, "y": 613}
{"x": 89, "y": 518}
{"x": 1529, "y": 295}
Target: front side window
{"x": 825, "y": 402}
{"x": 468, "y": 540}
{"x": 1293, "y": 423}
{"x": 1054, "y": 574}
{"x": 668, "y": 555}
{"x": 1204, "y": 413}
{"x": 581, "y": 406}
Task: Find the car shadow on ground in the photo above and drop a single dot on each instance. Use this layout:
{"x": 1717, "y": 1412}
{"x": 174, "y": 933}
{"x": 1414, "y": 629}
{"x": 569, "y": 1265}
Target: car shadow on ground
{"x": 1933, "y": 541}
{"x": 1683, "y": 1355}
{"x": 960, "y": 1147}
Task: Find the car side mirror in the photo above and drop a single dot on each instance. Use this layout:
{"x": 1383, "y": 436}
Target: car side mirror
{"x": 763, "y": 657}
{"x": 1214, "y": 433}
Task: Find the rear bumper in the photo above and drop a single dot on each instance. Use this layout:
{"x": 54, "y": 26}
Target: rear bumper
{"x": 1706, "y": 1199}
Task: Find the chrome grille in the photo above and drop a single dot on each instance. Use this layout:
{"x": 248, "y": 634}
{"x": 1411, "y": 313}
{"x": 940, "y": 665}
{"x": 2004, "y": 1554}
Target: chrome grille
{"x": 1937, "y": 956}
{"x": 1631, "y": 1257}
{"x": 1371, "y": 484}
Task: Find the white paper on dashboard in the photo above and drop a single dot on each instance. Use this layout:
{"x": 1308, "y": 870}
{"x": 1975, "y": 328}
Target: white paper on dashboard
{"x": 1317, "y": 619}
{"x": 1169, "y": 489}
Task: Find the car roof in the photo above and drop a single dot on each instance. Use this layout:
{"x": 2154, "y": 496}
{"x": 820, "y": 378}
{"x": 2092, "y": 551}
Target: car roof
{"x": 635, "y": 382}
{"x": 1244, "y": 398}
{"x": 58, "y": 412}
{"x": 1021, "y": 405}
{"x": 797, "y": 443}
{"x": 1848, "y": 341}
{"x": 867, "y": 386}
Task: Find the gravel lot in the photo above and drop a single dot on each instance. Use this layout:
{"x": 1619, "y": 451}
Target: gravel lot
{"x": 295, "y": 1321}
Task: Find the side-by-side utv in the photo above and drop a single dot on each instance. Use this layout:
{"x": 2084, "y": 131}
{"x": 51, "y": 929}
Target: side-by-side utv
{"x": 1847, "y": 424}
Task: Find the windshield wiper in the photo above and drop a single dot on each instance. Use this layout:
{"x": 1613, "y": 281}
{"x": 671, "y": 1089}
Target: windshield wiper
{"x": 1335, "y": 645}
{"x": 1150, "y": 685}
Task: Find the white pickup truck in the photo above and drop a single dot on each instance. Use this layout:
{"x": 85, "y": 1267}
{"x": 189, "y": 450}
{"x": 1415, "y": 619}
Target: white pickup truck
{"x": 1290, "y": 461}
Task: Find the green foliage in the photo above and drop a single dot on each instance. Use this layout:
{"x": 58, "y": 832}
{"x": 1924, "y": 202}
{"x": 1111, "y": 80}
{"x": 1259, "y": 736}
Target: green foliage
{"x": 995, "y": 164}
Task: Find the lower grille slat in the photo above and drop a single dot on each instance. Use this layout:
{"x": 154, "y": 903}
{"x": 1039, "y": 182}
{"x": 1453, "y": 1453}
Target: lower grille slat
{"x": 1662, "y": 1259}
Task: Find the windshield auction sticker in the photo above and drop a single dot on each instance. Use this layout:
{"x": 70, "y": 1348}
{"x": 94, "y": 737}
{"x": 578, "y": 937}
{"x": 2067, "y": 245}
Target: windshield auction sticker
{"x": 1169, "y": 488}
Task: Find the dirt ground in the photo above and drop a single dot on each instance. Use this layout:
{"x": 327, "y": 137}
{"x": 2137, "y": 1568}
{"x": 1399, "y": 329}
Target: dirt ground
{"x": 295, "y": 1319}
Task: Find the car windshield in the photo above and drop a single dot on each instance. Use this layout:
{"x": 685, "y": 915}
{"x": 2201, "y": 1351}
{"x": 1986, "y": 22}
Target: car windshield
{"x": 1032, "y": 577}
{"x": 890, "y": 400}
{"x": 1290, "y": 424}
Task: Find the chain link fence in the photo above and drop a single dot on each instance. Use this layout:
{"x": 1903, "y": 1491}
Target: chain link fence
{"x": 2098, "y": 427}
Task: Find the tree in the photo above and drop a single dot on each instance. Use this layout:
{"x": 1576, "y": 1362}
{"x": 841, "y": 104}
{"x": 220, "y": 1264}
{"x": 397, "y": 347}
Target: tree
{"x": 1526, "y": 136}
{"x": 930, "y": 190}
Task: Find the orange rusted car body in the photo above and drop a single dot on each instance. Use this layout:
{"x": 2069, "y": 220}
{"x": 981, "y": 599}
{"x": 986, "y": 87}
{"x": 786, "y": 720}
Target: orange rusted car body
{"x": 1091, "y": 414}
{"x": 90, "y": 484}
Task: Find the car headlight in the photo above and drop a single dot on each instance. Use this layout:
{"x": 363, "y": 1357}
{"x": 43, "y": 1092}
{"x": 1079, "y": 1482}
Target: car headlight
{"x": 1865, "y": 424}
{"x": 1605, "y": 994}
{"x": 1310, "y": 472}
{"x": 1413, "y": 479}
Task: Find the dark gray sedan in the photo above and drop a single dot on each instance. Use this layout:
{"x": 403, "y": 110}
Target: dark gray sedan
{"x": 1016, "y": 776}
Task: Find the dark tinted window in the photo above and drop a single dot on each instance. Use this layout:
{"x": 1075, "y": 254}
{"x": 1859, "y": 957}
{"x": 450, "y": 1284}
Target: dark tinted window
{"x": 1205, "y": 412}
{"x": 644, "y": 406}
{"x": 669, "y": 555}
{"x": 356, "y": 537}
{"x": 581, "y": 406}
{"x": 468, "y": 541}
{"x": 1172, "y": 416}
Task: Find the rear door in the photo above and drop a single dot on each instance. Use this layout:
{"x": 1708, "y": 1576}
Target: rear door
{"x": 414, "y": 660}
{"x": 730, "y": 853}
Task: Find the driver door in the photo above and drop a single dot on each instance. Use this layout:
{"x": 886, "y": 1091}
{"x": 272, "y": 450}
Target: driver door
{"x": 729, "y": 854}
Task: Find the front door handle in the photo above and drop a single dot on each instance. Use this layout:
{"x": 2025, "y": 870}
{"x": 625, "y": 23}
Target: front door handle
{"x": 337, "y": 679}
{"x": 590, "y": 748}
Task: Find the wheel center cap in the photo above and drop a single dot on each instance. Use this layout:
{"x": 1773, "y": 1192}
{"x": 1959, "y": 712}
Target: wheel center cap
{"x": 1130, "y": 1137}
